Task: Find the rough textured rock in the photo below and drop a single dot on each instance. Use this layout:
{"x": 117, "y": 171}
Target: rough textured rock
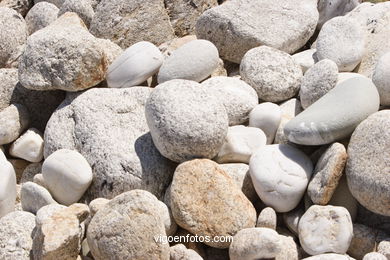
{"x": 318, "y": 80}
{"x": 108, "y": 127}
{"x": 20, "y": 6}
{"x": 381, "y": 79}
{"x": 41, "y": 15}
{"x": 97, "y": 204}
{"x": 65, "y": 41}
{"x": 238, "y": 26}
{"x": 363, "y": 241}
{"x": 331, "y": 118}
{"x": 384, "y": 248}
{"x": 30, "y": 171}
{"x": 13, "y": 120}
{"x": 306, "y": 59}
{"x": 332, "y": 8}
{"x": 82, "y": 8}
{"x": 195, "y": 60}
{"x": 368, "y": 160}
{"x": 180, "y": 252}
{"x": 341, "y": 40}
{"x": 222, "y": 212}
{"x": 255, "y": 243}
{"x": 127, "y": 22}
{"x": 7, "y": 186}
{"x": 325, "y": 229}
{"x": 267, "y": 218}
{"x": 130, "y": 235}
{"x": 267, "y": 117}
{"x": 171, "y": 45}
{"x": 280, "y": 174}
{"x": 290, "y": 250}
{"x": 57, "y": 3}
{"x": 184, "y": 14}
{"x": 13, "y": 33}
{"x": 272, "y": 73}
{"x": 237, "y": 96}
{"x": 29, "y": 146}
{"x": 374, "y": 256}
{"x": 290, "y": 109}
{"x": 327, "y": 174}
{"x": 34, "y": 197}
{"x": 16, "y": 230}
{"x": 185, "y": 121}
{"x": 46, "y": 212}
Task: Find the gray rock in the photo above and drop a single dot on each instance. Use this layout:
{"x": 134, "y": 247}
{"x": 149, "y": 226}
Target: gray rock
{"x": 272, "y": 73}
{"x": 13, "y": 33}
{"x": 30, "y": 171}
{"x": 127, "y": 22}
{"x": 108, "y": 127}
{"x": 331, "y": 118}
{"x": 267, "y": 218}
{"x": 34, "y": 197}
{"x": 120, "y": 230}
{"x": 238, "y": 97}
{"x": 8, "y": 81}
{"x": 238, "y": 26}
{"x": 13, "y": 120}
{"x": 82, "y": 8}
{"x": 64, "y": 42}
{"x": 318, "y": 81}
{"x": 20, "y": 6}
{"x": 195, "y": 60}
{"x": 332, "y": 8}
{"x": 368, "y": 160}
{"x": 327, "y": 174}
{"x": 41, "y": 15}
{"x": 363, "y": 241}
{"x": 184, "y": 14}
{"x": 342, "y": 197}
{"x": 57, "y": 3}
{"x": 381, "y": 79}
{"x": 16, "y": 230}
{"x": 185, "y": 121}
{"x": 342, "y": 40}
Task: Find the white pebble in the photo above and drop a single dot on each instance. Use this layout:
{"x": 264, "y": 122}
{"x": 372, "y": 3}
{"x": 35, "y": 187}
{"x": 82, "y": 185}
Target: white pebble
{"x": 267, "y": 117}
{"x": 7, "y": 186}
{"x": 29, "y": 146}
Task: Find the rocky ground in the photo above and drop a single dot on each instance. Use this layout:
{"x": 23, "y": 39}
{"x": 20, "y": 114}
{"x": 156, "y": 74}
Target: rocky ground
{"x": 264, "y": 123}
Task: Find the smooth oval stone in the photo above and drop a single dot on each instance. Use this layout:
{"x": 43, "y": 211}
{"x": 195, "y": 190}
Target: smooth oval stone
{"x": 7, "y": 186}
{"x": 136, "y": 64}
{"x": 195, "y": 61}
{"x": 336, "y": 114}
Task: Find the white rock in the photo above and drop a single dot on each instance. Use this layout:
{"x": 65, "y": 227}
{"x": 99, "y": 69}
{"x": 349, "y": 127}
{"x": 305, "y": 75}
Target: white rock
{"x": 291, "y": 219}
{"x": 237, "y": 96}
{"x": 29, "y": 146}
{"x": 329, "y": 257}
{"x": 136, "y": 64}
{"x": 180, "y": 252}
{"x": 374, "y": 256}
{"x": 290, "y": 109}
{"x": 38, "y": 179}
{"x": 381, "y": 79}
{"x": 343, "y": 76}
{"x": 195, "y": 60}
{"x": 342, "y": 40}
{"x": 267, "y": 117}
{"x": 267, "y": 218}
{"x": 240, "y": 143}
{"x": 34, "y": 197}
{"x": 325, "y": 229}
{"x": 13, "y": 121}
{"x": 306, "y": 59}
{"x": 7, "y": 186}
{"x": 67, "y": 175}
{"x": 280, "y": 174}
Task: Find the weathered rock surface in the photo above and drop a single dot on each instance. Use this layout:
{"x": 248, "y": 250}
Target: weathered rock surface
{"x": 333, "y": 8}
{"x": 7, "y": 186}
{"x": 20, "y": 6}
{"x": 13, "y": 120}
{"x": 82, "y": 8}
{"x": 34, "y": 197}
{"x": 41, "y": 15}
{"x": 381, "y": 79}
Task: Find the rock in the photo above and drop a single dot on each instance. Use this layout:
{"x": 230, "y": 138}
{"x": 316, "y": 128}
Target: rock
{"x": 272, "y": 73}
{"x": 280, "y": 174}
{"x": 381, "y": 79}
{"x": 374, "y": 256}
{"x": 291, "y": 219}
{"x": 112, "y": 135}
{"x": 325, "y": 229}
{"x": 255, "y": 243}
{"x": 341, "y": 40}
{"x": 363, "y": 241}
{"x": 238, "y": 97}
{"x": 306, "y": 59}
{"x": 82, "y": 8}
{"x": 112, "y": 50}
{"x": 97, "y": 204}
{"x": 40, "y": 65}
{"x": 183, "y": 14}
{"x": 195, "y": 60}
{"x": 240, "y": 174}
{"x": 130, "y": 235}
{"x": 267, "y": 219}
{"x": 343, "y": 76}
{"x": 200, "y": 211}
{"x": 171, "y": 45}
{"x": 267, "y": 117}
{"x": 333, "y": 8}
{"x": 29, "y": 146}
{"x": 57, "y": 3}
{"x": 34, "y": 197}
{"x": 290, "y": 109}
{"x": 30, "y": 171}
{"x": 47, "y": 212}
{"x": 180, "y": 252}
{"x": 13, "y": 33}
{"x": 16, "y": 229}
{"x": 128, "y": 22}
{"x": 318, "y": 81}
{"x": 182, "y": 132}
{"x": 67, "y": 175}
{"x": 331, "y": 118}
{"x": 19, "y": 166}
{"x": 327, "y": 174}
{"x": 384, "y": 248}
{"x": 368, "y": 160}
{"x": 220, "y": 70}
{"x": 342, "y": 197}
{"x": 7, "y": 187}
{"x": 59, "y": 236}
{"x": 238, "y": 26}
{"x": 41, "y": 15}
{"x": 38, "y": 179}
{"x": 289, "y": 249}
{"x": 329, "y": 257}
{"x": 135, "y": 65}
{"x": 13, "y": 120}
{"x": 20, "y": 6}
{"x": 240, "y": 143}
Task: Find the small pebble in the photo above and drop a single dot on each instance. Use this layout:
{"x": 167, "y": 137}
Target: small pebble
{"x": 267, "y": 218}
{"x": 29, "y": 146}
{"x": 267, "y": 117}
